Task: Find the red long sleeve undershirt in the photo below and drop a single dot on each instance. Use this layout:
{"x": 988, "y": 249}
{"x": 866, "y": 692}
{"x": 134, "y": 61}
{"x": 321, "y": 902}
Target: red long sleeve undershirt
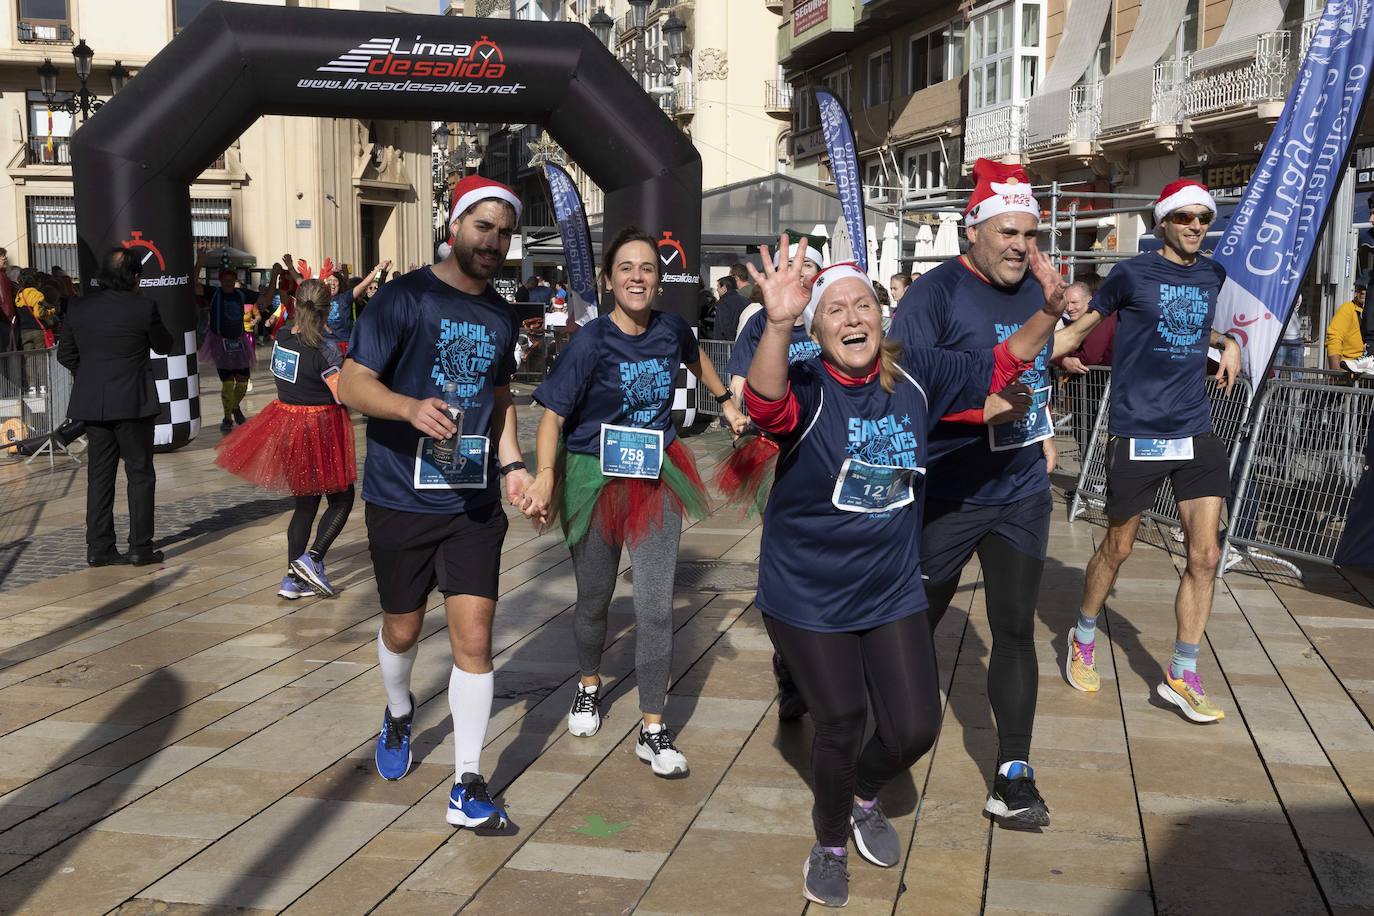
{"x": 780, "y": 417}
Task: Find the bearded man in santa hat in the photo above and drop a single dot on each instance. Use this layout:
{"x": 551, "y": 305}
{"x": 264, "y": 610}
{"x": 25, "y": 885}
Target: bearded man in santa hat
{"x": 987, "y": 475}
{"x": 430, "y": 365}
{"x": 1161, "y": 428}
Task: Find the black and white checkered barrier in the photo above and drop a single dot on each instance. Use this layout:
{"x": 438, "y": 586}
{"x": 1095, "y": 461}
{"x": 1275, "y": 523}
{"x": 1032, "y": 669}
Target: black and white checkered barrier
{"x": 178, "y": 388}
{"x": 685, "y": 397}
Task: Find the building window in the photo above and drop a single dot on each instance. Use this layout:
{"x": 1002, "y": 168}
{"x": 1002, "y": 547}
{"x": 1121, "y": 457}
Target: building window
{"x": 52, "y": 233}
{"x": 43, "y": 10}
{"x": 210, "y": 222}
{"x": 935, "y": 57}
{"x": 838, "y": 84}
{"x": 185, "y": 10}
{"x": 878, "y": 79}
{"x": 50, "y": 133}
{"x": 1185, "y": 42}
{"x": 873, "y": 181}
{"x": 924, "y": 167}
{"x": 1006, "y": 45}
{"x": 804, "y": 110}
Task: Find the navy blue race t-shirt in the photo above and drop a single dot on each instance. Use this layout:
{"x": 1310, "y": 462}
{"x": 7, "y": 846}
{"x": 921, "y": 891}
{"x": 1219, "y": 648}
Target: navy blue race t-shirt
{"x": 1164, "y": 326}
{"x": 801, "y": 348}
{"x": 418, "y": 333}
{"x": 825, "y": 568}
{"x": 953, "y": 308}
{"x": 298, "y": 369}
{"x": 339, "y": 322}
{"x": 608, "y": 376}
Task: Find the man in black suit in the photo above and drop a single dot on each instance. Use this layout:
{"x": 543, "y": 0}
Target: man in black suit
{"x": 105, "y": 343}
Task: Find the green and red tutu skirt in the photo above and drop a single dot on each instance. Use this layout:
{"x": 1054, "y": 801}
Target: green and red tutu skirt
{"x": 746, "y": 478}
{"x": 293, "y": 448}
{"x": 624, "y": 509}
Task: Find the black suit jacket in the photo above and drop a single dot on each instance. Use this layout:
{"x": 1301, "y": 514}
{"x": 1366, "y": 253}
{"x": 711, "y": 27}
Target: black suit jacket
{"x": 105, "y": 342}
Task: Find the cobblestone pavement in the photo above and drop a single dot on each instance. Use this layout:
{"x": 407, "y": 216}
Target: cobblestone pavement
{"x": 180, "y": 740}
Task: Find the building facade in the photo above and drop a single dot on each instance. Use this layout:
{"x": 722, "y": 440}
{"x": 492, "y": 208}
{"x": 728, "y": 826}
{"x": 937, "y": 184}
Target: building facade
{"x": 357, "y": 192}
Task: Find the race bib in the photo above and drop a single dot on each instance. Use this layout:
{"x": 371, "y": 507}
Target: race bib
{"x": 864, "y": 487}
{"x": 285, "y": 363}
{"x": 1035, "y": 426}
{"x": 1162, "y": 449}
{"x": 469, "y": 474}
{"x": 232, "y": 344}
{"x": 627, "y": 451}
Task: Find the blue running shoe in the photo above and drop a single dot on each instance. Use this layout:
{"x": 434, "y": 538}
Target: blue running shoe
{"x": 393, "y": 744}
{"x": 311, "y": 570}
{"x": 293, "y": 588}
{"x": 470, "y": 804}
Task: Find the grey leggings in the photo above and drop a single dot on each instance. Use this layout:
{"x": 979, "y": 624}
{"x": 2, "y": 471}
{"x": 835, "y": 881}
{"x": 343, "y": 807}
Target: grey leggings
{"x": 654, "y": 559}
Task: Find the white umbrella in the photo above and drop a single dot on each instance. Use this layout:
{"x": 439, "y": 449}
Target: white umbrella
{"x": 925, "y": 247}
{"x": 872, "y": 243}
{"x": 841, "y": 245}
{"x": 947, "y": 236}
{"x": 889, "y": 261}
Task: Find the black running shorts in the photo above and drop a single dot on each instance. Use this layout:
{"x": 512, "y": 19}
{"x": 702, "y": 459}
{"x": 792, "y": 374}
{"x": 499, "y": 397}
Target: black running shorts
{"x": 413, "y": 553}
{"x": 952, "y": 532}
{"x": 1133, "y": 485}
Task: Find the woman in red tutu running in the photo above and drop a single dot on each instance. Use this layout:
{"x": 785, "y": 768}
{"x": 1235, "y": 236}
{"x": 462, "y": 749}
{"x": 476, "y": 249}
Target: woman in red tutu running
{"x": 302, "y": 442}
{"x": 607, "y": 441}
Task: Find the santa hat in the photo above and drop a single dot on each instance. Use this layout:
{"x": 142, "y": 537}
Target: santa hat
{"x": 445, "y": 248}
{"x": 1182, "y": 193}
{"x": 475, "y": 189}
{"x": 813, "y": 254}
{"x": 999, "y": 188}
{"x": 828, "y": 278}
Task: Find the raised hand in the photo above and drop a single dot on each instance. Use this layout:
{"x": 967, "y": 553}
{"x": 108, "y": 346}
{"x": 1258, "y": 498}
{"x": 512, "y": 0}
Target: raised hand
{"x": 1051, "y": 281}
{"x": 785, "y": 296}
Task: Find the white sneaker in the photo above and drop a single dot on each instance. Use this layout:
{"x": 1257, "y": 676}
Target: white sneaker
{"x": 584, "y": 719}
{"x": 655, "y": 747}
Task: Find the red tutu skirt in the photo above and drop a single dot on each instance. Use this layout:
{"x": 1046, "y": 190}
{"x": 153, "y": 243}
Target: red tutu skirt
{"x": 293, "y": 448}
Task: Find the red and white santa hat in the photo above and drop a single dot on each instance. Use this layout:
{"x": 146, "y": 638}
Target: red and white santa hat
{"x": 999, "y": 188}
{"x": 1182, "y": 193}
{"x": 474, "y": 189}
{"x": 845, "y": 270}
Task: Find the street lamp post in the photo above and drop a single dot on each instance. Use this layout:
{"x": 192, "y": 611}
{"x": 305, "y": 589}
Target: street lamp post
{"x": 639, "y": 59}
{"x": 83, "y": 102}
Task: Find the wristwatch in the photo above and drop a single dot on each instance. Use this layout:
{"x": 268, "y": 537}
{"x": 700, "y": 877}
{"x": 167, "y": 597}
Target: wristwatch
{"x": 722, "y": 398}
{"x": 513, "y": 466}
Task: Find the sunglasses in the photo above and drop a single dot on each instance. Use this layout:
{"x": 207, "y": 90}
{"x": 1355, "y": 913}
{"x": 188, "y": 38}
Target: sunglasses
{"x": 1179, "y": 218}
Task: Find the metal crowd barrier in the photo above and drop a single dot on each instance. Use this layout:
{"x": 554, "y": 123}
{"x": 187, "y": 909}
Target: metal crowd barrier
{"x": 718, "y": 352}
{"x": 35, "y": 390}
{"x": 1077, "y": 401}
{"x": 1300, "y": 467}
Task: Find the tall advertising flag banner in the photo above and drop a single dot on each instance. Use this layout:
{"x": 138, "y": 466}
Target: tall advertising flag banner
{"x": 577, "y": 242}
{"x": 844, "y": 166}
{"x": 1277, "y": 224}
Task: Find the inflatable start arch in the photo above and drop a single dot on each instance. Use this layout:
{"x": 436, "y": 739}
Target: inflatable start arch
{"x": 134, "y": 161}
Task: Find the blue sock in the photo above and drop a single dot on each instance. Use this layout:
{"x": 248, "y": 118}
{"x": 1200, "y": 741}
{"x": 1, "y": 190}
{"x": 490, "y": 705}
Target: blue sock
{"x": 1185, "y": 658}
{"x": 1086, "y": 631}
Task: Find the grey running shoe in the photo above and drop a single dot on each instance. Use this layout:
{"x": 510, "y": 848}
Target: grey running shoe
{"x": 825, "y": 879}
{"x": 874, "y": 836}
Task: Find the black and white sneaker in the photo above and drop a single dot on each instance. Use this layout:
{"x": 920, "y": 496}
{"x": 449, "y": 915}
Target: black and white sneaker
{"x": 584, "y": 719}
{"x": 655, "y": 747}
{"x": 1015, "y": 802}
{"x": 825, "y": 878}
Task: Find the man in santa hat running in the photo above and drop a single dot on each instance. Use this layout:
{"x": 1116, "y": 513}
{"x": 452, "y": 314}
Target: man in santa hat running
{"x": 987, "y": 486}
{"x": 434, "y": 515}
{"x": 1161, "y": 428}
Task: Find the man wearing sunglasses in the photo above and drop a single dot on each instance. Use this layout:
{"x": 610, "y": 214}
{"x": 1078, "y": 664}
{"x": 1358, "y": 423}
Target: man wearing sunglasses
{"x": 1161, "y": 428}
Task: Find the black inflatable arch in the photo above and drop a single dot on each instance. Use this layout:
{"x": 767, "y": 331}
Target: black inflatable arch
{"x": 133, "y": 162}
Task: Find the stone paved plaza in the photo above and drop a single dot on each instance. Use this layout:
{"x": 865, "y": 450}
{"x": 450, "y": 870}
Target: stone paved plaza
{"x": 180, "y": 740}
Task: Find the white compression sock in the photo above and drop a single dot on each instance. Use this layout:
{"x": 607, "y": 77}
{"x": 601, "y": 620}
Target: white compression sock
{"x": 469, "y": 701}
{"x": 396, "y": 676}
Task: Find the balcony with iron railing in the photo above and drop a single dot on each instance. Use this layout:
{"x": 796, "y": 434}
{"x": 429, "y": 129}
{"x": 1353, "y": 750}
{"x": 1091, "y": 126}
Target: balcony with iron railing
{"x": 1243, "y": 75}
{"x": 777, "y": 98}
{"x": 39, "y": 152}
{"x": 679, "y": 100}
{"x": 1142, "y": 106}
{"x": 773, "y": 6}
{"x": 45, "y": 33}
{"x": 1065, "y": 122}
{"x": 996, "y": 133}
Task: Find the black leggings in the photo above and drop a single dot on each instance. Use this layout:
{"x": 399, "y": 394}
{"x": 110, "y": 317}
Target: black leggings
{"x": 1013, "y": 674}
{"x": 337, "y": 507}
{"x": 891, "y": 667}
